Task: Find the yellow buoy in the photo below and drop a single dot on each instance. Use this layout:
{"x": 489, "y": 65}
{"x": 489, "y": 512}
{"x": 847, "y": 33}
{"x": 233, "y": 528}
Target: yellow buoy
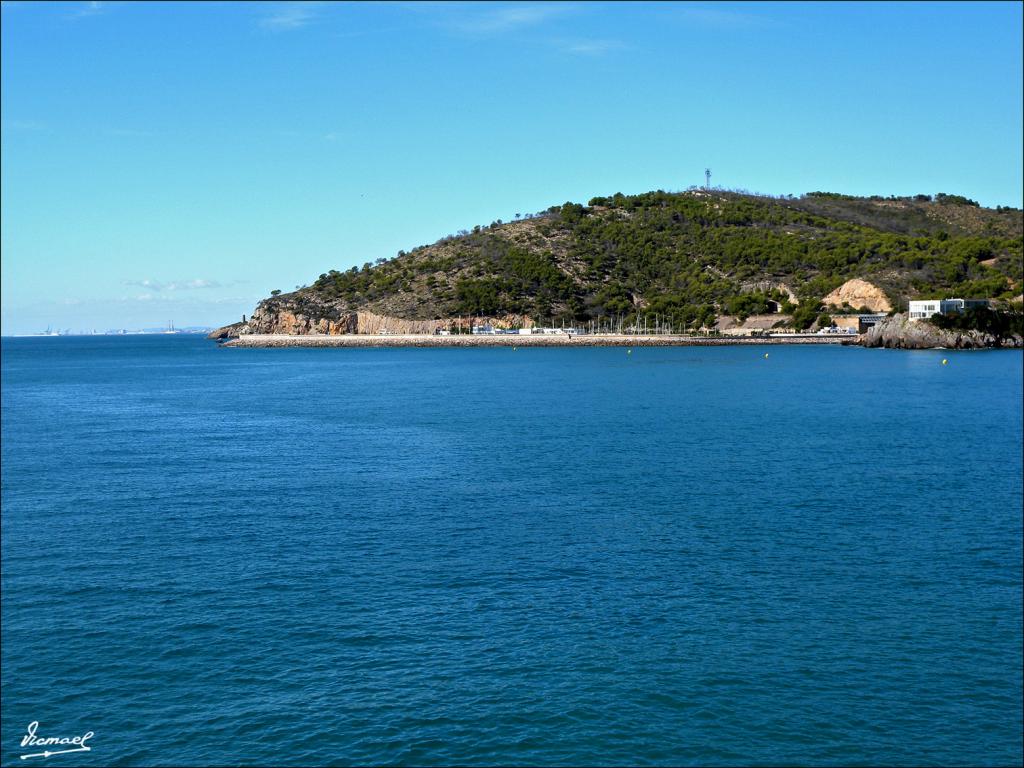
{"x": 766, "y": 354}
{"x": 944, "y": 361}
{"x": 629, "y": 351}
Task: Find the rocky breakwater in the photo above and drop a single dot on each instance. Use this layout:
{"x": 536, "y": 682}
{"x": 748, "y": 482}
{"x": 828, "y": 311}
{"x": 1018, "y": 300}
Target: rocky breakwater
{"x": 899, "y": 332}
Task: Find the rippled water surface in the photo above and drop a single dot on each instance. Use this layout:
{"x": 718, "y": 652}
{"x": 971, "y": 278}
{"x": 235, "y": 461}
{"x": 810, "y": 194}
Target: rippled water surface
{"x": 547, "y": 556}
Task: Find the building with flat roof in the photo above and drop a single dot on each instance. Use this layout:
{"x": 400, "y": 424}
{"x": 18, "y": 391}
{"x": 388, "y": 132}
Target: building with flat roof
{"x": 859, "y": 323}
{"x": 925, "y": 308}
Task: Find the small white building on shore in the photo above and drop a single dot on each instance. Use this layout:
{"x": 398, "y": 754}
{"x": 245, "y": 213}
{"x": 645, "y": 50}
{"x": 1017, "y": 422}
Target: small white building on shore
{"x": 859, "y": 322}
{"x": 925, "y": 308}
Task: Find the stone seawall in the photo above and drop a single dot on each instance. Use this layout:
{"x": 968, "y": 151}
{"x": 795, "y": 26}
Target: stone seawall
{"x": 353, "y": 340}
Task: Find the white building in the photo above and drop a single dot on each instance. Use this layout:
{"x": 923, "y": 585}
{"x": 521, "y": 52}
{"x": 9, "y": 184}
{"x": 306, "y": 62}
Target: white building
{"x": 928, "y": 307}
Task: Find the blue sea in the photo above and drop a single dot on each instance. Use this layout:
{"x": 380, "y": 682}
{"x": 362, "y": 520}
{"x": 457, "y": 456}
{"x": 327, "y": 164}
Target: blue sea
{"x": 491, "y": 557}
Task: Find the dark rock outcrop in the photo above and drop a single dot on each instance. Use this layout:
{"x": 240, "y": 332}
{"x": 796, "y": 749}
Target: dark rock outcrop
{"x": 227, "y": 332}
{"x": 899, "y": 332}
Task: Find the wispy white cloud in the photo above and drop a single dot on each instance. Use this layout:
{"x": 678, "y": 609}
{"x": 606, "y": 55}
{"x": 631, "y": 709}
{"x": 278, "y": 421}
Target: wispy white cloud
{"x": 590, "y": 47}
{"x": 349, "y": 34}
{"x": 168, "y": 300}
{"x": 129, "y": 133}
{"x": 37, "y": 126}
{"x": 177, "y": 285}
{"x": 187, "y": 285}
{"x": 23, "y": 125}
{"x": 152, "y": 284}
{"x": 92, "y": 8}
{"x": 291, "y": 15}
{"x": 314, "y": 134}
{"x": 487, "y": 20}
{"x": 720, "y": 17}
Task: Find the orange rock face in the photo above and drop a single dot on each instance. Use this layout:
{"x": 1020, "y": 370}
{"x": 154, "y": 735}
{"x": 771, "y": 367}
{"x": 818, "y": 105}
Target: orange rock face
{"x": 859, "y": 293}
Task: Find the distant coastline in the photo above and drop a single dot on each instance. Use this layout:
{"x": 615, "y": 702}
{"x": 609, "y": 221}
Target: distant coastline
{"x": 190, "y": 331}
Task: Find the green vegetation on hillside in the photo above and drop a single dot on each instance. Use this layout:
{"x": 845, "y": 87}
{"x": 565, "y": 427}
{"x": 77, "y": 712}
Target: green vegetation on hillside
{"x": 999, "y": 322}
{"x": 694, "y": 255}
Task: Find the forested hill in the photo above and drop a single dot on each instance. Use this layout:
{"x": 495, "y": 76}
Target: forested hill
{"x": 692, "y": 256}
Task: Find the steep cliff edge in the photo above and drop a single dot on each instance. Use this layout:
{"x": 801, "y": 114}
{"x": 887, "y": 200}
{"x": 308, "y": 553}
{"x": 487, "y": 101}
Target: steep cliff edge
{"x": 304, "y": 314}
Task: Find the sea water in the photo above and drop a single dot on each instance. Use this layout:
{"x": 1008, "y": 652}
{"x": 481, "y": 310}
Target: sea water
{"x": 487, "y": 556}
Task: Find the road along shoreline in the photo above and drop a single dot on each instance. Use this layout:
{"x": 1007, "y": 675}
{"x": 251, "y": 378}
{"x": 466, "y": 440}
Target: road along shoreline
{"x": 551, "y": 340}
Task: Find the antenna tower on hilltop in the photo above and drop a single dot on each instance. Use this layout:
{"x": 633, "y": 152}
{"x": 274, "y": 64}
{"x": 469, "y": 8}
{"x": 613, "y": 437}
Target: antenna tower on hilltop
{"x": 707, "y": 178}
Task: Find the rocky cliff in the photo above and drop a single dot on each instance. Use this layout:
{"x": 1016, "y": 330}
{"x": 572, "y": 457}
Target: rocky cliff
{"x": 301, "y": 314}
{"x": 898, "y": 332}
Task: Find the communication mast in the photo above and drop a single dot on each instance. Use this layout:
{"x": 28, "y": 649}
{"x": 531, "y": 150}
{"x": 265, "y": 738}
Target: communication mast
{"x": 707, "y": 178}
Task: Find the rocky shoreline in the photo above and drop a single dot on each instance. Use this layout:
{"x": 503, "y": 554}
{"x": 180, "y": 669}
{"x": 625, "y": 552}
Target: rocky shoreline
{"x": 555, "y": 340}
{"x": 899, "y": 332}
{"x": 895, "y": 332}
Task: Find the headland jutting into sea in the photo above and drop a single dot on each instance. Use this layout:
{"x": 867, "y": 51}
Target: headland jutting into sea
{"x": 654, "y": 268}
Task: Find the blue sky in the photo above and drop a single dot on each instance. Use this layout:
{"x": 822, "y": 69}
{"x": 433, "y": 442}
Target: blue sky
{"x": 167, "y": 161}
